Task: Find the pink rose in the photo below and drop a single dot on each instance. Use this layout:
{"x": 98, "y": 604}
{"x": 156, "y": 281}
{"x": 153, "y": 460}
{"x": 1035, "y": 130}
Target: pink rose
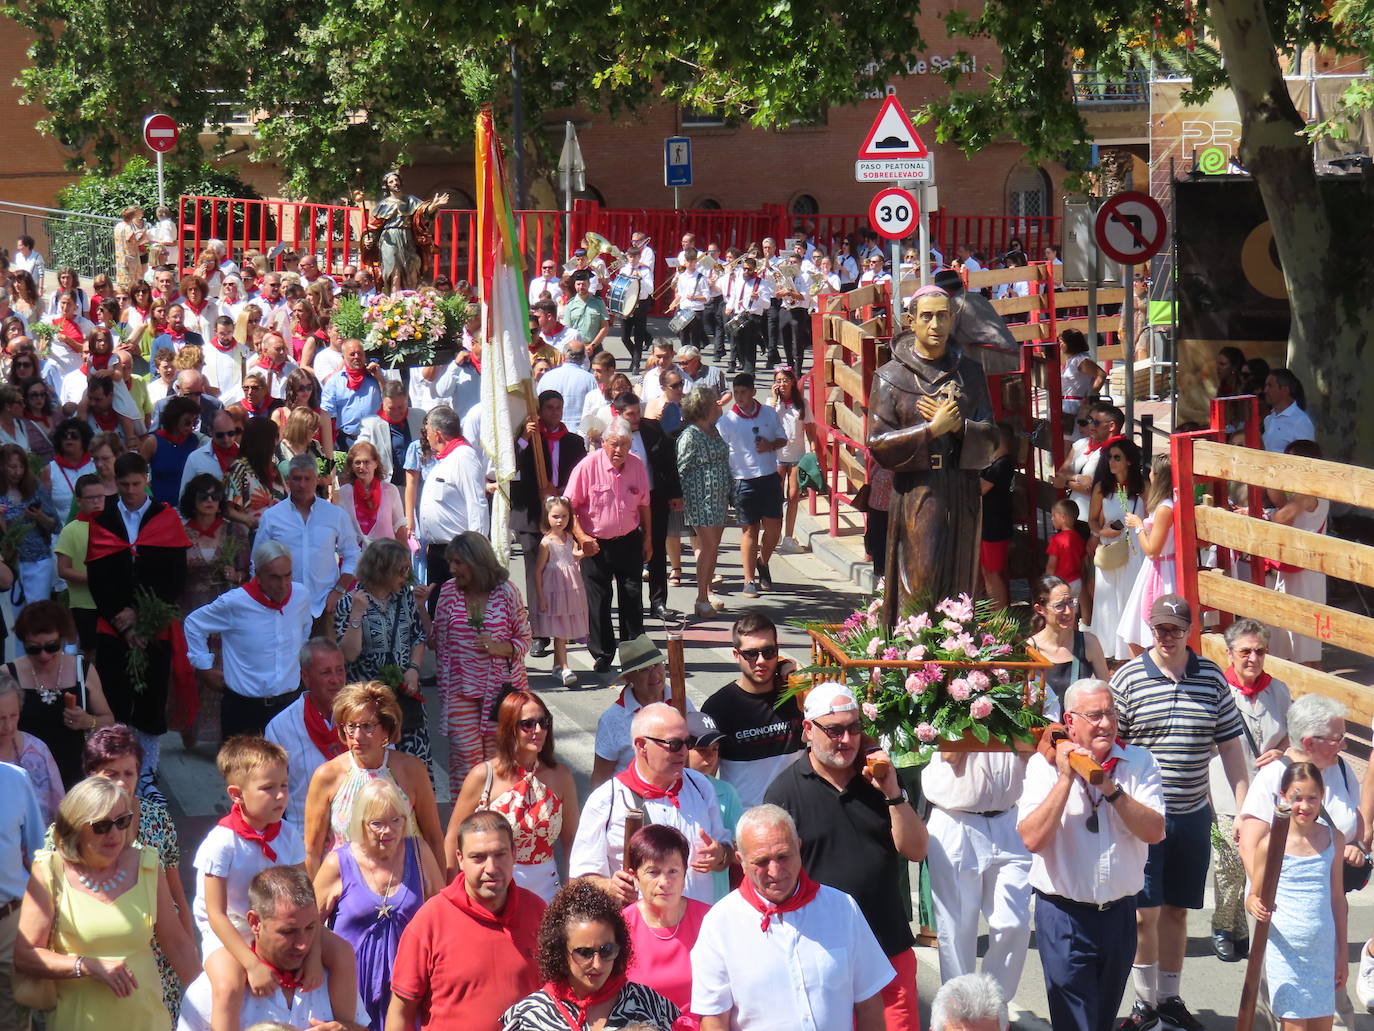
{"x": 870, "y": 711}
{"x": 949, "y": 644}
{"x": 988, "y": 639}
{"x": 981, "y": 708}
{"x": 916, "y": 653}
{"x": 915, "y": 685}
{"x": 979, "y": 680}
{"x": 949, "y": 626}
{"x": 891, "y": 653}
{"x": 925, "y": 732}
{"x": 959, "y": 689}
{"x": 920, "y": 622}
{"x": 873, "y": 647}
{"x": 1003, "y": 676}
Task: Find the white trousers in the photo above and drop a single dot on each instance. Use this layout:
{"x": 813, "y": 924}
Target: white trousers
{"x": 980, "y": 867}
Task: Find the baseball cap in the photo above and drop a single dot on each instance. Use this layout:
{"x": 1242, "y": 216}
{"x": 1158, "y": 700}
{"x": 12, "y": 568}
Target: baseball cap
{"x": 1171, "y": 610}
{"x": 825, "y": 699}
{"x": 702, "y": 728}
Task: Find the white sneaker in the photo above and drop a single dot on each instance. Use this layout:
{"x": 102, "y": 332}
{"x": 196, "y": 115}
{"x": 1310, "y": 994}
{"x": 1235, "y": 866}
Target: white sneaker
{"x": 1364, "y": 984}
{"x": 789, "y": 546}
{"x": 569, "y": 677}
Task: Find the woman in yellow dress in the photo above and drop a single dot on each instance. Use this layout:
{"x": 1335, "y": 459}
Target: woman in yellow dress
{"x": 91, "y": 910}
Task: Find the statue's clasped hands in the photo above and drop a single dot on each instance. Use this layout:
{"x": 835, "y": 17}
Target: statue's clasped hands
{"x": 941, "y": 414}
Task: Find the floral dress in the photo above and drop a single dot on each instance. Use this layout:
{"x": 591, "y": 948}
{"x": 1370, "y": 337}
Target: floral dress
{"x": 390, "y": 633}
{"x": 703, "y": 463}
{"x": 244, "y": 489}
{"x": 536, "y": 818}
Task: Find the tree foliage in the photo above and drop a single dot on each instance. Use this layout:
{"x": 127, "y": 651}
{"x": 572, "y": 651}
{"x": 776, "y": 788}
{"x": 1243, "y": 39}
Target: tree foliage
{"x": 136, "y": 184}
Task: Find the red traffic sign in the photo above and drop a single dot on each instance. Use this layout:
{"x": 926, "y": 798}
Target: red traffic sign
{"x": 893, "y": 212}
{"x": 1130, "y": 227}
{"x": 892, "y": 135}
{"x": 160, "y": 133}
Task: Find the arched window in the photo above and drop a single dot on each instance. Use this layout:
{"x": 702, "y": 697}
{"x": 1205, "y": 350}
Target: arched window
{"x": 1028, "y": 192}
{"x": 708, "y": 204}
{"x": 589, "y": 192}
{"x": 805, "y": 204}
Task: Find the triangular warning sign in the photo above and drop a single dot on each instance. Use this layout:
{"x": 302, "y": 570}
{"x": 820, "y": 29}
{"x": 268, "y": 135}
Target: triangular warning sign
{"x": 892, "y": 135}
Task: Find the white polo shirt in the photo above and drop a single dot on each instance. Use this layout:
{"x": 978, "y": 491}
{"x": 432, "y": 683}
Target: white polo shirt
{"x": 454, "y": 498}
{"x": 746, "y": 463}
{"x": 805, "y": 973}
{"x": 1282, "y": 428}
{"x": 222, "y": 853}
{"x": 304, "y": 1008}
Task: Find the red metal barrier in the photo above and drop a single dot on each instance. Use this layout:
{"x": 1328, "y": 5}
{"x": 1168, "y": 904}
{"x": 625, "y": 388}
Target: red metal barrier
{"x": 329, "y": 231}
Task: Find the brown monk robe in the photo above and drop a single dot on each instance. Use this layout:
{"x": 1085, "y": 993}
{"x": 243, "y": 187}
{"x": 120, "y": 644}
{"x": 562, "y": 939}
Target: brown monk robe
{"x": 930, "y": 422}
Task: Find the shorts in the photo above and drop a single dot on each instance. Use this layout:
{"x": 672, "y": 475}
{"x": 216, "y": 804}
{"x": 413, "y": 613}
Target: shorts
{"x": 758, "y": 499}
{"x": 1176, "y": 870}
{"x": 993, "y": 555}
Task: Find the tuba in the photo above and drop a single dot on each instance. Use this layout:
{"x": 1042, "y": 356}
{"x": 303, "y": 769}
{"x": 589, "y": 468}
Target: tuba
{"x": 599, "y": 248}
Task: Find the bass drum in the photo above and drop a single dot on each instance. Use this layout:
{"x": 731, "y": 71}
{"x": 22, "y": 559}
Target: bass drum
{"x": 624, "y": 295}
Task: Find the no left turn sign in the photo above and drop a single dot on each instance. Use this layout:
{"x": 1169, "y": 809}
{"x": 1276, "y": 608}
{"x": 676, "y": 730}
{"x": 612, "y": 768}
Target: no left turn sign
{"x": 893, "y": 213}
{"x": 1130, "y": 227}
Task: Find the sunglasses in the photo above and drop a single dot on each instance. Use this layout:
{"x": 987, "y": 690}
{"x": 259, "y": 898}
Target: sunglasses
{"x": 835, "y": 731}
{"x": 1084, "y": 422}
{"x": 209, "y": 495}
{"x": 587, "y": 953}
{"x": 539, "y": 721}
{"x": 750, "y": 654}
{"x": 227, "y": 434}
{"x": 674, "y": 744}
{"x": 119, "y": 823}
{"x": 52, "y": 648}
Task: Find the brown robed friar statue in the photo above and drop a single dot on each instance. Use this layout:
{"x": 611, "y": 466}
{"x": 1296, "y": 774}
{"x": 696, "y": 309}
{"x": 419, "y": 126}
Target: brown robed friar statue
{"x": 930, "y": 422}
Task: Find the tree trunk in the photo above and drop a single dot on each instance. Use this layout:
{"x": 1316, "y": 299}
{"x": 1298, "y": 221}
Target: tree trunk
{"x": 1329, "y": 282}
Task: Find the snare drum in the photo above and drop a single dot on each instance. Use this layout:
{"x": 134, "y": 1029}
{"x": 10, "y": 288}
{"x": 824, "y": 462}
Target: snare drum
{"x": 624, "y": 295}
{"x": 681, "y": 321}
{"x": 737, "y": 323}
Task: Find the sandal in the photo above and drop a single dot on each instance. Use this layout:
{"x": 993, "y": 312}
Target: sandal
{"x": 675, "y": 578}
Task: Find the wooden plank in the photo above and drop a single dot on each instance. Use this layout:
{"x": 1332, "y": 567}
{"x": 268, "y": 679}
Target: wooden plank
{"x": 1330, "y": 555}
{"x": 1300, "y": 680}
{"x": 852, "y": 467}
{"x": 1332, "y": 480}
{"x": 1030, "y": 331}
{"x": 851, "y": 337}
{"x": 998, "y": 276}
{"x": 875, "y": 327}
{"x": 1026, "y": 332}
{"x": 830, "y": 327}
{"x": 851, "y": 425}
{"x": 834, "y": 303}
{"x": 1079, "y": 298}
{"x": 848, "y": 379}
{"x": 1017, "y": 305}
{"x": 1115, "y": 353}
{"x": 863, "y": 296}
{"x": 1334, "y": 626}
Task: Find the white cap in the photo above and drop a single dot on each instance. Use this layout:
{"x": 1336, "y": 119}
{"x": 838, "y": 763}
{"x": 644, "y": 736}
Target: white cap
{"x": 825, "y": 699}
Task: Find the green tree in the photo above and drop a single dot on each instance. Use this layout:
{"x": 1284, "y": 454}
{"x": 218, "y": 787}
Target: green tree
{"x": 136, "y": 184}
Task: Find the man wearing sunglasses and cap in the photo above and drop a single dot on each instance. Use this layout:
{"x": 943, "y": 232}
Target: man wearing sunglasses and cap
{"x": 858, "y": 830}
{"x": 642, "y": 670}
{"x": 658, "y": 786}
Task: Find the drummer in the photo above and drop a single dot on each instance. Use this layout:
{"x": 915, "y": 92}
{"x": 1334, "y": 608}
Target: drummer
{"x": 746, "y": 307}
{"x": 586, "y": 312}
{"x": 691, "y": 290}
{"x": 635, "y": 310}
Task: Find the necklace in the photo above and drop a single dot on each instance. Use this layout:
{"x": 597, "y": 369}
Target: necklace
{"x": 98, "y": 886}
{"x": 384, "y": 909}
{"x": 47, "y": 693}
{"x": 671, "y": 934}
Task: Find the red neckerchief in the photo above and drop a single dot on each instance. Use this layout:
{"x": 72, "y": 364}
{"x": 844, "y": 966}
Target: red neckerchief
{"x": 322, "y": 735}
{"x": 254, "y": 590}
{"x": 806, "y": 892}
{"x": 1110, "y": 762}
{"x": 553, "y": 436}
{"x": 194, "y": 310}
{"x": 1115, "y": 439}
{"x": 401, "y": 421}
{"x": 225, "y": 457}
{"x": 107, "y": 421}
{"x": 1259, "y": 685}
{"x": 367, "y": 502}
{"x": 174, "y": 441}
{"x": 263, "y": 363}
{"x": 447, "y": 449}
{"x": 192, "y": 528}
{"x": 631, "y": 779}
{"x": 249, "y": 406}
{"x": 178, "y": 336}
{"x": 291, "y": 982}
{"x": 354, "y": 377}
{"x": 564, "y": 1000}
{"x": 224, "y": 348}
{"x": 102, "y": 361}
{"x": 758, "y": 407}
{"x": 235, "y": 822}
{"x": 62, "y": 463}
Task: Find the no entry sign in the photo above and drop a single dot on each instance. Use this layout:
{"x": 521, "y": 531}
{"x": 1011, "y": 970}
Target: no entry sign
{"x": 160, "y": 133}
{"x": 1130, "y": 227}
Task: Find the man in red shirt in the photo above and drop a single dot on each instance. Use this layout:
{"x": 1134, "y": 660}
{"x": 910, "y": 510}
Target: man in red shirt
{"x": 469, "y": 953}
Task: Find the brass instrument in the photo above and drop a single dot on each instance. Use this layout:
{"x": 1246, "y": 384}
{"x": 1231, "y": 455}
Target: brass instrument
{"x": 599, "y": 248}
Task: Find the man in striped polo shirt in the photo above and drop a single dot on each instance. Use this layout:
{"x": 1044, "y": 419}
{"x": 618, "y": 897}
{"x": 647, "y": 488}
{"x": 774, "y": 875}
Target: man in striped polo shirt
{"x": 1177, "y": 705}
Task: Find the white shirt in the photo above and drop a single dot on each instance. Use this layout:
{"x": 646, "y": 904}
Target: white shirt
{"x": 576, "y": 384}
{"x": 1084, "y": 464}
{"x": 599, "y": 848}
{"x": 224, "y": 854}
{"x": 560, "y": 340}
{"x": 740, "y": 433}
{"x": 133, "y": 518}
{"x": 197, "y": 1005}
{"x": 224, "y": 370}
{"x": 793, "y": 428}
{"x": 261, "y": 645}
{"x": 326, "y": 363}
{"x": 302, "y": 757}
{"x": 871, "y": 277}
{"x": 1282, "y": 428}
{"x": 322, "y": 547}
{"x": 32, "y": 263}
{"x": 1081, "y": 864}
{"x": 650, "y": 385}
{"x": 688, "y": 285}
{"x": 984, "y": 782}
{"x": 805, "y": 973}
{"x": 455, "y": 497}
{"x": 1341, "y": 795}
{"x": 203, "y": 323}
{"x": 745, "y": 298}
{"x": 541, "y": 283}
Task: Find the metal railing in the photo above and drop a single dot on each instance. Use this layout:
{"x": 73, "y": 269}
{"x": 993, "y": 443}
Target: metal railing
{"x": 1093, "y": 88}
{"x": 66, "y": 239}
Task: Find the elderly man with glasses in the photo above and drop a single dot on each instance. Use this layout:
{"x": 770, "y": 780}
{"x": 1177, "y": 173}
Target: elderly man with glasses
{"x": 858, "y": 830}
{"x": 545, "y": 283}
{"x": 1178, "y": 705}
{"x": 661, "y": 789}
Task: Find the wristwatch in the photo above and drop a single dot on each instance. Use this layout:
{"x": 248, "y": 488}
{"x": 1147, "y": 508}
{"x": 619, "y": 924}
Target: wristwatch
{"x": 1115, "y": 794}
{"x": 901, "y": 799}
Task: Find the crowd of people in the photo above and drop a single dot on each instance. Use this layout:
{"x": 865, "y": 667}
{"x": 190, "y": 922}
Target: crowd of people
{"x": 222, "y": 519}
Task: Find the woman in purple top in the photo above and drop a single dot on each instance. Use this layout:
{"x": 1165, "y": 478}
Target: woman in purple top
{"x": 370, "y": 889}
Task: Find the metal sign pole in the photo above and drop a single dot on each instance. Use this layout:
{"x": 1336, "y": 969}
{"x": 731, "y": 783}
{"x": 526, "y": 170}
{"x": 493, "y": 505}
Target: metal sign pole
{"x": 925, "y": 234}
{"x": 896, "y": 285}
{"x": 1128, "y": 345}
{"x": 161, "y": 191}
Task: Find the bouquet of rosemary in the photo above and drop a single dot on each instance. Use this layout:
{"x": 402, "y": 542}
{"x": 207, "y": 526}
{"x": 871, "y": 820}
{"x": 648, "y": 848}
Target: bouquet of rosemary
{"x": 347, "y": 318}
{"x": 152, "y": 616}
{"x": 11, "y": 537}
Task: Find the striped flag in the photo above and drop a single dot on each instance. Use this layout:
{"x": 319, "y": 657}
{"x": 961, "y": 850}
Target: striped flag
{"x": 505, "y": 326}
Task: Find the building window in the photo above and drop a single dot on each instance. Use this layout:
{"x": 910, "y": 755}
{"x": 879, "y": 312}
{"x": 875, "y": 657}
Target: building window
{"x": 805, "y": 204}
{"x": 708, "y": 204}
{"x": 590, "y": 193}
{"x": 1028, "y": 192}
{"x": 696, "y": 118}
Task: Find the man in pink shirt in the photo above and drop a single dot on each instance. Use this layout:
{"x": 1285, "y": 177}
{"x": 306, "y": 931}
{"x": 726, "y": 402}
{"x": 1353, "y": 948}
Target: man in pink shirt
{"x": 609, "y": 494}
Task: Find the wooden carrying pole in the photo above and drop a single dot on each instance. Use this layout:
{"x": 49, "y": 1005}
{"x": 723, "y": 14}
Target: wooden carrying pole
{"x": 1273, "y": 865}
{"x": 677, "y": 672}
{"x": 634, "y": 820}
{"x": 541, "y": 471}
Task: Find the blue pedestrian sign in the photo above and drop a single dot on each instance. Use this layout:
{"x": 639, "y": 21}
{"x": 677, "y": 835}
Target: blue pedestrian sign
{"x": 677, "y": 161}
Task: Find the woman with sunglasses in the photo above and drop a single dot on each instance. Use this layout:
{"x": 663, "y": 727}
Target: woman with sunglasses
{"x": 1055, "y": 634}
{"x": 168, "y": 447}
{"x": 1082, "y": 379}
{"x": 140, "y": 308}
{"x": 38, "y": 415}
{"x": 253, "y": 482}
{"x": 584, "y": 953}
{"x": 302, "y": 390}
{"x": 61, "y": 695}
{"x": 71, "y": 461}
{"x": 527, "y": 785}
{"x": 13, "y": 429}
{"x": 87, "y": 913}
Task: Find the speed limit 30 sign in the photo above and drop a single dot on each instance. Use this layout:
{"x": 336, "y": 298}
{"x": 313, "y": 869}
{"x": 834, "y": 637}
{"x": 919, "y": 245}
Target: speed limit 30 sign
{"x": 893, "y": 213}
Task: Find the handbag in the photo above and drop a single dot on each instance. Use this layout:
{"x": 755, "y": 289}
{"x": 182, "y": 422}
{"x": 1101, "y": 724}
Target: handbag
{"x": 40, "y": 993}
{"x": 1112, "y": 554}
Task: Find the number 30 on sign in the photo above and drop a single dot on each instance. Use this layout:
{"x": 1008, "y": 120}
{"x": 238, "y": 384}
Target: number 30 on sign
{"x": 893, "y": 213}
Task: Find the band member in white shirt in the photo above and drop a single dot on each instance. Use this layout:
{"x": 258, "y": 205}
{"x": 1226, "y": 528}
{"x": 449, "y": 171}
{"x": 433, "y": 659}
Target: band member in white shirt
{"x": 750, "y": 297}
{"x": 635, "y": 329}
{"x": 547, "y": 280}
{"x": 874, "y": 272}
{"x": 691, "y": 289}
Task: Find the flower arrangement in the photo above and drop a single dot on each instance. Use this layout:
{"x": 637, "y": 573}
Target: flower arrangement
{"x": 404, "y": 328}
{"x": 943, "y": 674}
